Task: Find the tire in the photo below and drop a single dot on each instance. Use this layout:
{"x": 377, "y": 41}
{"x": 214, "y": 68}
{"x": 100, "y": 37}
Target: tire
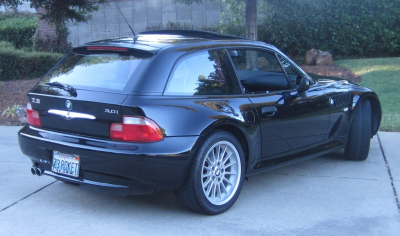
{"x": 359, "y": 139}
{"x": 216, "y": 176}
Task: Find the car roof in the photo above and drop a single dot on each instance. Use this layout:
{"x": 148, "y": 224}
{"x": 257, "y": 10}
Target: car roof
{"x": 155, "y": 40}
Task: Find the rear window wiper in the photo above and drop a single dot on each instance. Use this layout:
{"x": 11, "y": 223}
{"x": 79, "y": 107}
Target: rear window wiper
{"x": 65, "y": 87}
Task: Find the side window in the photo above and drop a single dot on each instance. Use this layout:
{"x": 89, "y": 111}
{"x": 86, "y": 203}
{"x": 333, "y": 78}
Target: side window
{"x": 203, "y": 73}
{"x": 291, "y": 71}
{"x": 259, "y": 71}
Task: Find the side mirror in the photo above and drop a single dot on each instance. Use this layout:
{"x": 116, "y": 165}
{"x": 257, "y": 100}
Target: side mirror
{"x": 303, "y": 85}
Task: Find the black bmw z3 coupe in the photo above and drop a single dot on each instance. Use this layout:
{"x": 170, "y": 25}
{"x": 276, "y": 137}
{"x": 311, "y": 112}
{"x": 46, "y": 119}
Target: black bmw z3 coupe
{"x": 191, "y": 111}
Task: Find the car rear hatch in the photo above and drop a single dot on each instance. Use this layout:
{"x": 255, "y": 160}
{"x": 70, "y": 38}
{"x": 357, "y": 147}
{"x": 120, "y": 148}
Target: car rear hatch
{"x": 82, "y": 94}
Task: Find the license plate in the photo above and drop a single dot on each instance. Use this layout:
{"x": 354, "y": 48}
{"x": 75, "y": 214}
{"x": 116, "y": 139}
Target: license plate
{"x": 67, "y": 164}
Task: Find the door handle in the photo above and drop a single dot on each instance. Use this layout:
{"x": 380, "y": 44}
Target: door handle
{"x": 269, "y": 111}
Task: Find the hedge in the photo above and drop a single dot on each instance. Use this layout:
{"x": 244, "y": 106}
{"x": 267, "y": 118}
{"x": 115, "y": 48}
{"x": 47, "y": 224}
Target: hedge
{"x": 19, "y": 31}
{"x": 20, "y": 64}
{"x": 343, "y": 27}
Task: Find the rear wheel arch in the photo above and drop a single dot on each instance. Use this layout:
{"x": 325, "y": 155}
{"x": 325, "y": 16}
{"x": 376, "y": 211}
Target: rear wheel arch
{"x": 232, "y": 129}
{"x": 215, "y": 177}
{"x": 239, "y": 135}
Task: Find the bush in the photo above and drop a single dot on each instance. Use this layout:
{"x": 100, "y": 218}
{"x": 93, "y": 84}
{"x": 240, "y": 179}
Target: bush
{"x": 58, "y": 43}
{"x": 170, "y": 25}
{"x": 20, "y": 64}
{"x": 18, "y": 31}
{"x": 345, "y": 28}
{"x": 9, "y": 15}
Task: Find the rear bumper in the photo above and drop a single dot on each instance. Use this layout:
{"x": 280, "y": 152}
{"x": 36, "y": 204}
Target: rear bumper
{"x": 128, "y": 168}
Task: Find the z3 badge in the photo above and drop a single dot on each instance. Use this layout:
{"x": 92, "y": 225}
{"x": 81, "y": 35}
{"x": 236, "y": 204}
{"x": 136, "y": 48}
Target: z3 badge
{"x": 35, "y": 100}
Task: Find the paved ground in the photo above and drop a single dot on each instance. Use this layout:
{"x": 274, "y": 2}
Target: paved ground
{"x": 322, "y": 196}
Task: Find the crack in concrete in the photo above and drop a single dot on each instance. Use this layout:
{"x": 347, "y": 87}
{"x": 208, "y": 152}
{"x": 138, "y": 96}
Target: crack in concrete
{"x": 390, "y": 174}
{"x": 26, "y": 197}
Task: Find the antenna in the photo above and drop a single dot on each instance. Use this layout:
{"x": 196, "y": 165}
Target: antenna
{"x": 134, "y": 35}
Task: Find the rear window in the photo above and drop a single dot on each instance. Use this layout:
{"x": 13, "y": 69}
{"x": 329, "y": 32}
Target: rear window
{"x": 204, "y": 73}
{"x": 114, "y": 71}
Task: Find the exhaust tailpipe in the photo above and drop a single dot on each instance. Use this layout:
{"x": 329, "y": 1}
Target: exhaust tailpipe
{"x": 33, "y": 170}
{"x": 37, "y": 170}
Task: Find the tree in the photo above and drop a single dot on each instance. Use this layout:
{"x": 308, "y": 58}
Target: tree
{"x": 250, "y": 15}
{"x": 60, "y": 11}
{"x": 10, "y": 3}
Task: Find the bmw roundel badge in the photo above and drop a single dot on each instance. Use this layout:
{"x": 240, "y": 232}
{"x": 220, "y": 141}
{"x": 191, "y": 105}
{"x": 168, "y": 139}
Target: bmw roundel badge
{"x": 68, "y": 104}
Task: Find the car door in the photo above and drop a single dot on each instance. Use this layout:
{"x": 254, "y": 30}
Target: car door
{"x": 290, "y": 121}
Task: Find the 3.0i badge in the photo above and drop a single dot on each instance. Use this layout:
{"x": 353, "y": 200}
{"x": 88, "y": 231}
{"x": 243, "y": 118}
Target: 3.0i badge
{"x": 68, "y": 104}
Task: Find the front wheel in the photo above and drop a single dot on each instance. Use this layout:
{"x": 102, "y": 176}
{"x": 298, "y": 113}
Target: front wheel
{"x": 359, "y": 140}
{"x": 216, "y": 176}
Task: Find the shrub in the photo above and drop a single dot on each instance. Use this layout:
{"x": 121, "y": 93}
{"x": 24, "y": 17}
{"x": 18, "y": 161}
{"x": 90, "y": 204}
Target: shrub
{"x": 345, "y": 28}
{"x": 8, "y": 15}
{"x": 20, "y": 64}
{"x": 170, "y": 25}
{"x": 18, "y": 31}
{"x": 58, "y": 43}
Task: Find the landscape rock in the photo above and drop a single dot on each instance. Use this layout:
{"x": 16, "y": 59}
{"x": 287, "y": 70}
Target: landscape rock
{"x": 21, "y": 114}
{"x": 310, "y": 57}
{"x": 319, "y": 58}
{"x": 324, "y": 59}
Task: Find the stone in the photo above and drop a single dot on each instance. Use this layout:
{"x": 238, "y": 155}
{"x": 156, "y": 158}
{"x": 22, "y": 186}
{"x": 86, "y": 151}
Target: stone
{"x": 319, "y": 58}
{"x": 310, "y": 57}
{"x": 21, "y": 114}
{"x": 324, "y": 59}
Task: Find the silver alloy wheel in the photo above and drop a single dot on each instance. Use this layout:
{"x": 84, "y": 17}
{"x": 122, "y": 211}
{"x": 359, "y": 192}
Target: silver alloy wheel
{"x": 221, "y": 173}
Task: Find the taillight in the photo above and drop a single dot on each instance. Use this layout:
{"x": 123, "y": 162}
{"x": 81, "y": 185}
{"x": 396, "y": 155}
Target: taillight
{"x": 32, "y": 116}
{"x": 136, "y": 129}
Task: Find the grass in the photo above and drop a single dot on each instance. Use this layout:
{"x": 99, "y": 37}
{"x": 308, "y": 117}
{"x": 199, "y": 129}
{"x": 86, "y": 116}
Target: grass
{"x": 383, "y": 76}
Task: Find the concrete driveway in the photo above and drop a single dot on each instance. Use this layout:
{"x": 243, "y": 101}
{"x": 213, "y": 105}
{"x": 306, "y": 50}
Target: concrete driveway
{"x": 322, "y": 196}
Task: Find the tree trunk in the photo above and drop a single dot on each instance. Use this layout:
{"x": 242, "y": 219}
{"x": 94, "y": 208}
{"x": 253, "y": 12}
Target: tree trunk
{"x": 251, "y": 19}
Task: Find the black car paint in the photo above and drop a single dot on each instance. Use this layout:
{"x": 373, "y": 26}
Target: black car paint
{"x": 303, "y": 124}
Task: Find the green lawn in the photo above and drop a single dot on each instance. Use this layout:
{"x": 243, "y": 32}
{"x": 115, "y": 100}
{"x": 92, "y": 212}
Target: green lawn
{"x": 383, "y": 76}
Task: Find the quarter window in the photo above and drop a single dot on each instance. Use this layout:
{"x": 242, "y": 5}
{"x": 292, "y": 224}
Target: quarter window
{"x": 293, "y": 73}
{"x": 203, "y": 73}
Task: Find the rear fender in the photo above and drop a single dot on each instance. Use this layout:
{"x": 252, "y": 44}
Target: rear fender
{"x": 248, "y": 136}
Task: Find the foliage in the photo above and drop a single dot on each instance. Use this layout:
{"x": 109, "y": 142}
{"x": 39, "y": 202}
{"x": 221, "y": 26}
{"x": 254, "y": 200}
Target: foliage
{"x": 9, "y": 15}
{"x": 381, "y": 75}
{"x": 170, "y": 25}
{"x": 17, "y": 64}
{"x": 343, "y": 27}
{"x": 19, "y": 31}
{"x": 235, "y": 9}
{"x": 60, "y": 11}
{"x": 10, "y": 111}
{"x": 10, "y": 3}
{"x": 188, "y": 2}
{"x": 233, "y": 19}
{"x": 57, "y": 12}
{"x": 178, "y": 25}
{"x": 57, "y": 44}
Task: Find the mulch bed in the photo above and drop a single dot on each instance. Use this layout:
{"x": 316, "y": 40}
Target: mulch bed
{"x": 334, "y": 71}
{"x": 14, "y": 92}
{"x": 11, "y": 93}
